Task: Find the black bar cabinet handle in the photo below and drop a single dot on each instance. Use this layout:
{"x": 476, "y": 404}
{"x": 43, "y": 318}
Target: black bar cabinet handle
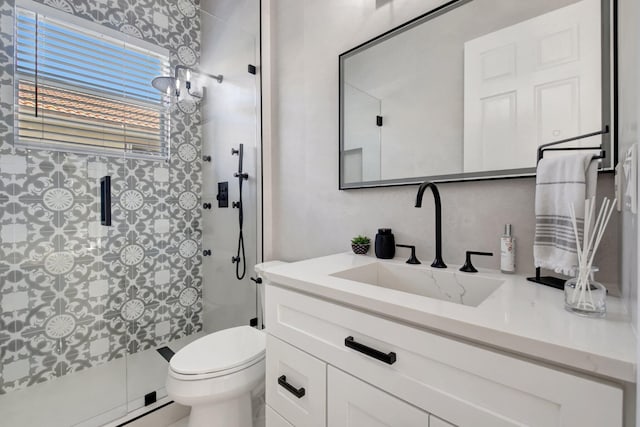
{"x": 388, "y": 358}
{"x": 105, "y": 200}
{"x": 297, "y": 392}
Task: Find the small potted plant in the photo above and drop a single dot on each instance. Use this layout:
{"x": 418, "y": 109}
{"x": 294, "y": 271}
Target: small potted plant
{"x": 360, "y": 245}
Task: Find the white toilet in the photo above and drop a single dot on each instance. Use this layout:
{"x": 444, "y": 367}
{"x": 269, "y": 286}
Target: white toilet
{"x": 216, "y": 374}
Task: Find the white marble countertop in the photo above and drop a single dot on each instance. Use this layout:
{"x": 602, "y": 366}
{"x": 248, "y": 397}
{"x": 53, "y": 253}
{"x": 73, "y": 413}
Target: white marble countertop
{"x": 520, "y": 316}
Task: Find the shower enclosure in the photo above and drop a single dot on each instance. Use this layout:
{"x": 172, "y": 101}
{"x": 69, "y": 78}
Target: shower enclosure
{"x": 84, "y": 307}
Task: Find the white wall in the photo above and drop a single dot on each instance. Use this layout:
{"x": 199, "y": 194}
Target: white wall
{"x": 629, "y": 114}
{"x": 230, "y": 117}
{"x": 310, "y": 217}
{"x": 629, "y": 118}
{"x": 628, "y": 135}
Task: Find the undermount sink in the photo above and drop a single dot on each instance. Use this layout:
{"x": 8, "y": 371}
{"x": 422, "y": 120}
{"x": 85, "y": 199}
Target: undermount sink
{"x": 453, "y": 286}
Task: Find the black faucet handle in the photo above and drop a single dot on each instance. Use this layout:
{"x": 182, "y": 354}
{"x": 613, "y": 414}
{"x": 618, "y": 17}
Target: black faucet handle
{"x": 468, "y": 267}
{"x": 412, "y": 259}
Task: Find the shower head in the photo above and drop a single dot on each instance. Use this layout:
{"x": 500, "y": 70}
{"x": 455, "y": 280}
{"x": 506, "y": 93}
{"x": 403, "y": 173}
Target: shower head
{"x": 163, "y": 83}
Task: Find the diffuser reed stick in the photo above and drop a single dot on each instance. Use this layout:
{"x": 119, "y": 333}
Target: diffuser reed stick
{"x": 592, "y": 232}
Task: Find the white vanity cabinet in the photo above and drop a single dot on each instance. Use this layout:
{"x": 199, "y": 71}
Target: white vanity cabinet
{"x": 296, "y": 385}
{"x": 353, "y": 403}
{"x": 359, "y": 369}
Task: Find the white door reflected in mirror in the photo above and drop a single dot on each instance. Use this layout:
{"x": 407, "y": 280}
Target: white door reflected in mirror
{"x": 532, "y": 83}
{"x": 471, "y": 91}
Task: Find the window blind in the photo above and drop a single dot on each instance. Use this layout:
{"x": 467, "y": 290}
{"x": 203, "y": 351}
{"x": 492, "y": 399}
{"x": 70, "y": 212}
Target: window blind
{"x": 80, "y": 90}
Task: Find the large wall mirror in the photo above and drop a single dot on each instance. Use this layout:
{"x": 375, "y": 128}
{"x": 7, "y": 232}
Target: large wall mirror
{"x": 471, "y": 89}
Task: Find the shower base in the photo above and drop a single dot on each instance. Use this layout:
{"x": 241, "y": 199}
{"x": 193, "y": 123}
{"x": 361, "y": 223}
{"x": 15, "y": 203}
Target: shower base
{"x": 93, "y": 397}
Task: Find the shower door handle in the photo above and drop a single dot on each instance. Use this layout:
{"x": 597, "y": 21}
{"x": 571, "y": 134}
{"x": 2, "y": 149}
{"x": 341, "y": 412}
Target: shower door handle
{"x": 105, "y": 200}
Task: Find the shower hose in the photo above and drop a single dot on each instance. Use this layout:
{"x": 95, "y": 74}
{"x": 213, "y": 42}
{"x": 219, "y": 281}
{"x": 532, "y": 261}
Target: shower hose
{"x": 240, "y": 257}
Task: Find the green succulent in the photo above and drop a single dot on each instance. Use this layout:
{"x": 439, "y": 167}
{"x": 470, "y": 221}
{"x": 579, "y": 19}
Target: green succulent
{"x": 361, "y": 240}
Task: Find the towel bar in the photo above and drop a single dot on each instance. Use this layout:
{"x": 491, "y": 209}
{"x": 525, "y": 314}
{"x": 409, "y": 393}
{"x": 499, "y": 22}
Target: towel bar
{"x": 556, "y": 282}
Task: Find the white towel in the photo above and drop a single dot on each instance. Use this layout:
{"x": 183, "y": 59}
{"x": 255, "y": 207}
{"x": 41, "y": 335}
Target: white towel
{"x": 560, "y": 182}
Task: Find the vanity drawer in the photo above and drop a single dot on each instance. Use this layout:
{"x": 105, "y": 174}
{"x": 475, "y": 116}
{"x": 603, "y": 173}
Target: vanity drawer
{"x": 296, "y": 384}
{"x": 353, "y": 403}
{"x": 437, "y": 422}
{"x": 274, "y": 419}
{"x": 459, "y": 382}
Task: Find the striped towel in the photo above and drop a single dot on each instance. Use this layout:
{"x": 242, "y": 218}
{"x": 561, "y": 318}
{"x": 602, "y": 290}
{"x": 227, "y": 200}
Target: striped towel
{"x": 561, "y": 181}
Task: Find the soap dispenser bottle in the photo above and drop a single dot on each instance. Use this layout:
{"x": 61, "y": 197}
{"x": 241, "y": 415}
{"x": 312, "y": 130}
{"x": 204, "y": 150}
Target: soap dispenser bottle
{"x": 507, "y": 251}
{"x": 385, "y": 244}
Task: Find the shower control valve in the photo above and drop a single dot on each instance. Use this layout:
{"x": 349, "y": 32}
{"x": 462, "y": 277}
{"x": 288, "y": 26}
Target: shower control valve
{"x": 206, "y": 252}
{"x": 235, "y": 259}
{"x": 206, "y": 206}
{"x": 206, "y": 158}
{"x": 235, "y": 205}
{"x": 234, "y": 151}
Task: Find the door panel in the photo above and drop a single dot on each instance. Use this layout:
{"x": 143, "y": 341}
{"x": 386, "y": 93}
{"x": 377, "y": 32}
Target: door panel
{"x": 558, "y": 109}
{"x": 499, "y": 119}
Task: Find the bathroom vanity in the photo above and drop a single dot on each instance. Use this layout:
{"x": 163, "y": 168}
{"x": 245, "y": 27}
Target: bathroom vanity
{"x": 356, "y": 341}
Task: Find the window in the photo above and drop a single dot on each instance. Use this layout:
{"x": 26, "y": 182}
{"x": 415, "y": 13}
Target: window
{"x": 81, "y": 90}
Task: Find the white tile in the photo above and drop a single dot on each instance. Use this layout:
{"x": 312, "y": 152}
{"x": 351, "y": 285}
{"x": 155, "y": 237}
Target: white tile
{"x": 162, "y": 328}
{"x": 97, "y": 230}
{"x": 96, "y": 169}
{"x": 6, "y": 91}
{"x": 6, "y": 23}
{"x": 98, "y": 288}
{"x": 162, "y": 277}
{"x": 161, "y": 174}
{"x": 12, "y": 164}
{"x": 15, "y": 301}
{"x": 161, "y": 19}
{"x": 13, "y": 233}
{"x": 98, "y": 347}
{"x": 15, "y": 370}
{"x": 161, "y": 226}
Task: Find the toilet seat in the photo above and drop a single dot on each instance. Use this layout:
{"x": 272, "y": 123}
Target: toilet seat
{"x": 218, "y": 354}
{"x": 211, "y": 375}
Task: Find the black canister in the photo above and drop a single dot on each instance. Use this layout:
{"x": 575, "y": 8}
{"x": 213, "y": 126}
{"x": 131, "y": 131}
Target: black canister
{"x": 385, "y": 244}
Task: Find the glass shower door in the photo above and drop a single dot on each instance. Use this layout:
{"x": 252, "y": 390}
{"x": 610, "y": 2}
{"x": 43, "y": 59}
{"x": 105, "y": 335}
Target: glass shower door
{"x": 164, "y": 239}
{"x": 61, "y": 346}
{"x": 61, "y": 351}
{"x": 230, "y": 117}
{"x": 147, "y": 255}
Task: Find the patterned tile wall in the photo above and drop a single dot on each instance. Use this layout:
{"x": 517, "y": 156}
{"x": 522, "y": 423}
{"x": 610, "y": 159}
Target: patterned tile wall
{"x": 75, "y": 294}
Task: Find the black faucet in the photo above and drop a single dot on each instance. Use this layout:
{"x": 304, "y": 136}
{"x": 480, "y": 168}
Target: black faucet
{"x": 438, "y": 262}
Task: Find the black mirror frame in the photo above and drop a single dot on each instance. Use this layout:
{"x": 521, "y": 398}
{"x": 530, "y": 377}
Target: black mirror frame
{"x": 609, "y": 13}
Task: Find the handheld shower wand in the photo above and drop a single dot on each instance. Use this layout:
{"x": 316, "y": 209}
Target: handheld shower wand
{"x": 240, "y": 255}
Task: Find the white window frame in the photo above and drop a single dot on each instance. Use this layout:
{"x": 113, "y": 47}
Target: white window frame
{"x": 104, "y": 33}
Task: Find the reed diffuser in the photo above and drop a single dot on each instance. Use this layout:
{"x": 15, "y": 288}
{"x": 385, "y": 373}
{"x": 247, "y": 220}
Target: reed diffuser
{"x": 582, "y": 294}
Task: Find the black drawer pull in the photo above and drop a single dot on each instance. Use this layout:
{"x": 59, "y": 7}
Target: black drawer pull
{"x": 389, "y": 358}
{"x": 297, "y": 392}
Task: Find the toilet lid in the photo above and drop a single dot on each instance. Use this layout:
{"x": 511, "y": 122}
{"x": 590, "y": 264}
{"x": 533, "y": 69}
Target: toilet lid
{"x": 220, "y": 351}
